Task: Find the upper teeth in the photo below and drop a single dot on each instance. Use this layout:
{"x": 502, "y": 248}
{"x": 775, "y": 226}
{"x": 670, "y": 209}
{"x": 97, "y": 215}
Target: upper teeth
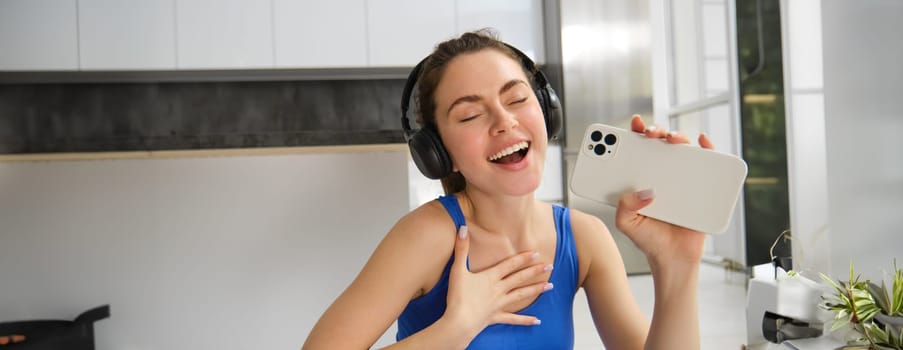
{"x": 508, "y": 151}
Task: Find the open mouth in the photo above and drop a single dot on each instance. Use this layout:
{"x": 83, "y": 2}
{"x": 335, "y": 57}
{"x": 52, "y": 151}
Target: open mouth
{"x": 512, "y": 154}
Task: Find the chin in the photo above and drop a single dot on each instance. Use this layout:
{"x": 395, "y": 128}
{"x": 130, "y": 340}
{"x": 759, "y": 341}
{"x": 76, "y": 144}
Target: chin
{"x": 521, "y": 187}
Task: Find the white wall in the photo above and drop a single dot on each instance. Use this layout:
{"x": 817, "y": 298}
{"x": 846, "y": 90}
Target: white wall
{"x": 843, "y": 107}
{"x": 863, "y": 123}
{"x": 194, "y": 253}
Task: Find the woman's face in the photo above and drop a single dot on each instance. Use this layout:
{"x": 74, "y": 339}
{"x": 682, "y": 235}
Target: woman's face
{"x": 491, "y": 123}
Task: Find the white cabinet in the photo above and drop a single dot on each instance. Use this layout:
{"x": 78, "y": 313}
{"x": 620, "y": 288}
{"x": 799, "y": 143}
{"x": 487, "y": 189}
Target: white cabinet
{"x": 249, "y": 34}
{"x": 518, "y": 22}
{"x": 38, "y": 35}
{"x": 402, "y": 32}
{"x": 126, "y": 34}
{"x": 320, "y": 34}
{"x": 224, "y": 34}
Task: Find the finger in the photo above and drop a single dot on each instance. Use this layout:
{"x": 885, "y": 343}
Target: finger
{"x": 676, "y": 137}
{"x": 521, "y": 277}
{"x": 634, "y": 201}
{"x": 656, "y": 132}
{"x": 462, "y": 248}
{"x": 514, "y": 263}
{"x": 705, "y": 142}
{"x": 527, "y": 292}
{"x": 637, "y": 124}
{"x": 4, "y": 340}
{"x": 515, "y": 319}
{"x": 18, "y": 338}
{"x": 631, "y": 203}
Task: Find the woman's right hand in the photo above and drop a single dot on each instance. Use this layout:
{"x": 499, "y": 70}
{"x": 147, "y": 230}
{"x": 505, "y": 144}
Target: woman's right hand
{"x": 477, "y": 300}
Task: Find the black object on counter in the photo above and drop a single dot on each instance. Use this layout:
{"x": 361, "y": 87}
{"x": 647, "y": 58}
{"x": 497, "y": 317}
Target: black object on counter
{"x": 56, "y": 334}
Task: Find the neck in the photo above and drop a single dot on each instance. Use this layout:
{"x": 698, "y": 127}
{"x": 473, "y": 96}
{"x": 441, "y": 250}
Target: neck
{"x": 511, "y": 216}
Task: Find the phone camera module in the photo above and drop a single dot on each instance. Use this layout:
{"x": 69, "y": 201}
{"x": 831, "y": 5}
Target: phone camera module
{"x": 610, "y": 139}
{"x": 599, "y": 149}
{"x": 596, "y": 136}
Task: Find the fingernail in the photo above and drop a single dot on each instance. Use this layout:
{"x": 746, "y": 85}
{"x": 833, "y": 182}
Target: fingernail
{"x": 548, "y": 287}
{"x": 537, "y": 322}
{"x": 672, "y": 134}
{"x": 645, "y": 194}
{"x": 650, "y": 128}
{"x": 548, "y": 268}
{"x": 535, "y": 256}
{"x": 462, "y": 232}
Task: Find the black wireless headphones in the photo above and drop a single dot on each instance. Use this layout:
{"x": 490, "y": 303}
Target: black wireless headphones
{"x": 426, "y": 146}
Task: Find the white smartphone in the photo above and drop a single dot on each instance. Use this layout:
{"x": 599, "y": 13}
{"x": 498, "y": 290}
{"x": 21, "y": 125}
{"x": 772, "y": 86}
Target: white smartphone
{"x": 694, "y": 187}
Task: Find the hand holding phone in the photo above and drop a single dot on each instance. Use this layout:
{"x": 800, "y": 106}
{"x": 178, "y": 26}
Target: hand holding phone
{"x": 694, "y": 187}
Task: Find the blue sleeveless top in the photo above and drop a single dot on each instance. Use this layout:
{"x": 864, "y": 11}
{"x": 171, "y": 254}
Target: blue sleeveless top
{"x": 554, "y": 308}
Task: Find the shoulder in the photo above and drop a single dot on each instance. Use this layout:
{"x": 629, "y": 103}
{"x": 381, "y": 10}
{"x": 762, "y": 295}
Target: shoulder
{"x": 594, "y": 242}
{"x": 425, "y": 222}
{"x": 425, "y": 232}
{"x": 587, "y": 227}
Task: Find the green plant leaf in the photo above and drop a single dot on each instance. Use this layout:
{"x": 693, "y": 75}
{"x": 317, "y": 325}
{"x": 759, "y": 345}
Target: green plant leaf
{"x": 896, "y": 303}
{"x": 851, "y": 271}
{"x": 856, "y": 302}
{"x": 839, "y": 323}
{"x": 879, "y": 294}
{"x": 894, "y": 338}
{"x": 876, "y": 334}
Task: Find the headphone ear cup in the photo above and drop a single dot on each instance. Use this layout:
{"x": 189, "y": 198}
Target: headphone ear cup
{"x": 429, "y": 154}
{"x": 551, "y": 110}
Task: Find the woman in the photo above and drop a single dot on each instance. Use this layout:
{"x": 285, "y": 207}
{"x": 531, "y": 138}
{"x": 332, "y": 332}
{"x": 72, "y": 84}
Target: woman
{"x": 490, "y": 267}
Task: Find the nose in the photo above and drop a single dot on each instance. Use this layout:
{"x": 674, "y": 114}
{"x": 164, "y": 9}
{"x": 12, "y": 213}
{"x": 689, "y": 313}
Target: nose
{"x": 504, "y": 121}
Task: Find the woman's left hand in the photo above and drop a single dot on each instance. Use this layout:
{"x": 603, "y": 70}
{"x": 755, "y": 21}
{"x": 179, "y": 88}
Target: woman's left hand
{"x": 660, "y": 241}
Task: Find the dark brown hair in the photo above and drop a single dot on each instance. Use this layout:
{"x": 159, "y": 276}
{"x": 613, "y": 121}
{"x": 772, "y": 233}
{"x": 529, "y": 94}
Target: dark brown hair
{"x": 431, "y": 73}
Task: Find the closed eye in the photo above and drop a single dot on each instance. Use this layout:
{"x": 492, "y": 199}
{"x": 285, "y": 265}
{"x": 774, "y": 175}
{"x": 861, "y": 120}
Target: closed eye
{"x": 469, "y": 118}
{"x": 518, "y": 101}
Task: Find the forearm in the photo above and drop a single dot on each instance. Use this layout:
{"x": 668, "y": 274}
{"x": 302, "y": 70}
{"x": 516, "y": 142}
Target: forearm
{"x": 675, "y": 319}
{"x": 445, "y": 333}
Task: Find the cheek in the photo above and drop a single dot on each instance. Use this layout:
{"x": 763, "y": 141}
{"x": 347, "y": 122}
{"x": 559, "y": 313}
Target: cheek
{"x": 462, "y": 148}
{"x": 465, "y": 150}
{"x": 536, "y": 118}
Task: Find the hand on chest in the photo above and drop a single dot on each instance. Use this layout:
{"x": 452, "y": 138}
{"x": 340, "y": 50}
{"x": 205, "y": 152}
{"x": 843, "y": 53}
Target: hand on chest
{"x": 489, "y": 249}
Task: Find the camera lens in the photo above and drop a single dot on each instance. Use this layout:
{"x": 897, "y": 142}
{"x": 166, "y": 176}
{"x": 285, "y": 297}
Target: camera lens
{"x": 596, "y": 136}
{"x": 610, "y": 139}
{"x": 599, "y": 149}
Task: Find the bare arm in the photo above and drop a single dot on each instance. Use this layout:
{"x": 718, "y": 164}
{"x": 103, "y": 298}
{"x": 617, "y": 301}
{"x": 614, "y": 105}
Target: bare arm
{"x": 615, "y": 312}
{"x": 366, "y": 309}
{"x": 618, "y": 319}
{"x": 676, "y": 313}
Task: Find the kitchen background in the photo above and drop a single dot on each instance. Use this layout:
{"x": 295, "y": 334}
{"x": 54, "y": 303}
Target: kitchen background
{"x": 218, "y": 171}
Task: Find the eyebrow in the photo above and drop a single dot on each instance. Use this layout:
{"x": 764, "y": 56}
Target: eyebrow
{"x": 474, "y": 98}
